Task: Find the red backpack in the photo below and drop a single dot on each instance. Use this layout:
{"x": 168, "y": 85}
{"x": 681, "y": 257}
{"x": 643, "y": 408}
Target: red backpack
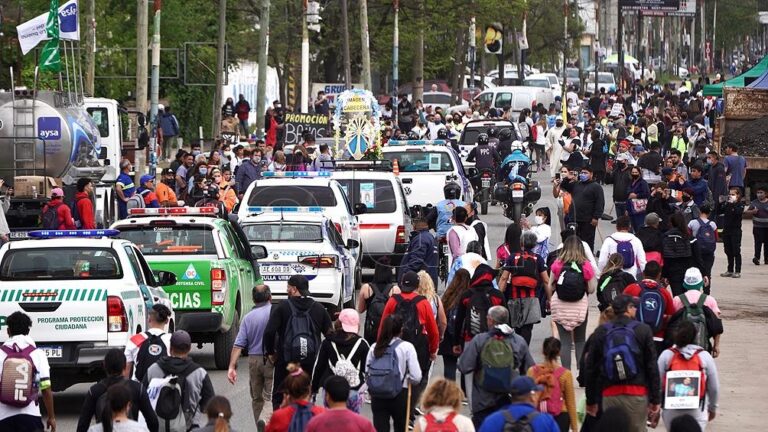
{"x": 551, "y": 398}
{"x": 433, "y": 425}
{"x": 680, "y": 363}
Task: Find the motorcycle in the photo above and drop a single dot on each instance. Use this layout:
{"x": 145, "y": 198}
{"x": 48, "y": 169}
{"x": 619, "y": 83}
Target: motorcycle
{"x": 517, "y": 196}
{"x": 484, "y": 194}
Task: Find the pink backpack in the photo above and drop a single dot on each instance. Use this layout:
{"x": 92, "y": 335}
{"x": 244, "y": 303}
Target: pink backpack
{"x": 17, "y": 377}
{"x": 551, "y": 398}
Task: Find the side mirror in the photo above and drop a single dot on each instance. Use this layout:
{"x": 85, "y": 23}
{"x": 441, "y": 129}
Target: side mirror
{"x": 165, "y": 278}
{"x": 361, "y": 208}
{"x": 352, "y": 244}
{"x": 258, "y": 252}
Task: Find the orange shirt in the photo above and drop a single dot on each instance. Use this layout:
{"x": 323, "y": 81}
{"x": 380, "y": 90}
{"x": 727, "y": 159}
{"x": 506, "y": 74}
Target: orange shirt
{"x": 165, "y": 193}
{"x": 228, "y": 197}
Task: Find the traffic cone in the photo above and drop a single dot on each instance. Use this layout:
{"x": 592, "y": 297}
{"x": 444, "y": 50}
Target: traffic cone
{"x": 395, "y": 167}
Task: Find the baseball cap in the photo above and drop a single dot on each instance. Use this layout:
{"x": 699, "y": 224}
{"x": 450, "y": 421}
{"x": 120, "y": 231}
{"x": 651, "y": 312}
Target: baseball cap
{"x": 621, "y": 303}
{"x": 57, "y": 192}
{"x": 409, "y": 281}
{"x": 181, "y": 341}
{"x": 524, "y": 385}
{"x": 146, "y": 178}
{"x": 300, "y": 282}
{"x": 168, "y": 171}
{"x": 693, "y": 279}
{"x": 350, "y": 320}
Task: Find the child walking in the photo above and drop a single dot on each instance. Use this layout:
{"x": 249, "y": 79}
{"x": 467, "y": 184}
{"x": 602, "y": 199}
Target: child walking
{"x": 759, "y": 211}
{"x": 733, "y": 211}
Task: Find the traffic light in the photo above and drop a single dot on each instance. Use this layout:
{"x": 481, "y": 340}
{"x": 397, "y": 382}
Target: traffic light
{"x": 494, "y": 39}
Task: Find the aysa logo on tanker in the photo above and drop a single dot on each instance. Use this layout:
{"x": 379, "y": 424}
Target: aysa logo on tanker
{"x": 49, "y": 128}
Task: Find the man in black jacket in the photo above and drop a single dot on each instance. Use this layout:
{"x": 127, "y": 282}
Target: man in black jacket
{"x": 278, "y": 326}
{"x": 637, "y": 395}
{"x": 422, "y": 251}
{"x": 620, "y": 178}
{"x": 588, "y": 203}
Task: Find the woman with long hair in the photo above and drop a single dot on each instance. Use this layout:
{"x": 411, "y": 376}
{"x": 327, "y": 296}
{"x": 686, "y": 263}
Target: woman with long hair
{"x": 558, "y": 398}
{"x": 572, "y": 277}
{"x": 639, "y": 192}
{"x": 613, "y": 274}
{"x": 459, "y": 284}
{"x": 395, "y": 408}
{"x": 278, "y": 162}
{"x": 296, "y": 389}
{"x": 115, "y": 414}
{"x": 427, "y": 290}
{"x": 441, "y": 403}
{"x": 511, "y": 244}
{"x": 219, "y": 411}
{"x": 373, "y": 297}
{"x": 539, "y": 131}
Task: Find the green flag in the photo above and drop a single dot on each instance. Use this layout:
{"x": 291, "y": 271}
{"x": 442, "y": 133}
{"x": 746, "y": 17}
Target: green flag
{"x": 50, "y": 59}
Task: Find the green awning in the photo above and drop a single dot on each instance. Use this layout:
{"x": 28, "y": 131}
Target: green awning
{"x": 738, "y": 81}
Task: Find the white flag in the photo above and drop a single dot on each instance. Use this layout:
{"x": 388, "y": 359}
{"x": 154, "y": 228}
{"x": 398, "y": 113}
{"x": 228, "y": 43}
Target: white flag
{"x": 33, "y": 31}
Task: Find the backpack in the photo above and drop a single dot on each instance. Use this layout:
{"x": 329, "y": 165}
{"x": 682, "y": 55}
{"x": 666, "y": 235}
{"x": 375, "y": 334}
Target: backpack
{"x": 610, "y": 286}
{"x": 135, "y": 201}
{"x": 651, "y": 307}
{"x": 434, "y": 425}
{"x": 300, "y": 339}
{"x": 524, "y": 274}
{"x": 674, "y": 245}
{"x": 18, "y": 369}
{"x": 551, "y": 398}
{"x": 620, "y": 350}
{"x": 375, "y": 310}
{"x": 150, "y": 351}
{"x": 475, "y": 321}
{"x": 450, "y": 315}
{"x": 344, "y": 367}
{"x": 301, "y": 418}
{"x": 706, "y": 237}
{"x": 383, "y": 374}
{"x": 498, "y": 365}
{"x": 680, "y": 363}
{"x": 571, "y": 285}
{"x": 50, "y": 218}
{"x": 627, "y": 252}
{"x": 170, "y": 405}
{"x": 523, "y": 424}
{"x": 413, "y": 330}
{"x": 694, "y": 313}
{"x": 76, "y": 213}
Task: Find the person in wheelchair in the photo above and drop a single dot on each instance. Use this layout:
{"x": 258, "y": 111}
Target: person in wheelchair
{"x": 515, "y": 166}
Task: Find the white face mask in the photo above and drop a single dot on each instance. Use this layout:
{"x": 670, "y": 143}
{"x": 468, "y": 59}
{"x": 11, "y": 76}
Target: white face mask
{"x": 539, "y": 219}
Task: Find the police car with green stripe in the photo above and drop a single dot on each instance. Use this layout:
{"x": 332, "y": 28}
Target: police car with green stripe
{"x": 85, "y": 293}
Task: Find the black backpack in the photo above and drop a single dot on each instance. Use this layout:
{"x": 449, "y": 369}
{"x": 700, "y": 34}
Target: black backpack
{"x": 413, "y": 330}
{"x": 301, "y": 338}
{"x": 475, "y": 320}
{"x": 170, "y": 402}
{"x": 150, "y": 351}
{"x": 522, "y": 424}
{"x": 675, "y": 246}
{"x": 611, "y": 285}
{"x": 375, "y": 310}
{"x": 571, "y": 285}
{"x": 50, "y": 217}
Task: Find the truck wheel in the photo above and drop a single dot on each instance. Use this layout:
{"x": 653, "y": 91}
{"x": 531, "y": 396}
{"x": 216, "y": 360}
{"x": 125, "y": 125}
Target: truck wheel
{"x": 222, "y": 343}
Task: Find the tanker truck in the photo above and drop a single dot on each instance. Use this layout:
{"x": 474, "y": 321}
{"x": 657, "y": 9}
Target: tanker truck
{"x": 51, "y": 139}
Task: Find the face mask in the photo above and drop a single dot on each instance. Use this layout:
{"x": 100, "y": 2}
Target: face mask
{"x": 195, "y": 152}
{"x": 539, "y": 219}
{"x": 583, "y": 177}
{"x": 228, "y": 153}
{"x": 203, "y": 170}
{"x": 169, "y": 182}
{"x": 732, "y": 198}
{"x": 635, "y": 176}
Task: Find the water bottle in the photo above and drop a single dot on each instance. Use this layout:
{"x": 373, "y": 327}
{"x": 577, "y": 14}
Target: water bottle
{"x": 619, "y": 364}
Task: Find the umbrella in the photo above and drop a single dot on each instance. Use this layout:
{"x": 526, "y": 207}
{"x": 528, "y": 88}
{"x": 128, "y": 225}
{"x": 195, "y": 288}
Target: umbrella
{"x": 614, "y": 59}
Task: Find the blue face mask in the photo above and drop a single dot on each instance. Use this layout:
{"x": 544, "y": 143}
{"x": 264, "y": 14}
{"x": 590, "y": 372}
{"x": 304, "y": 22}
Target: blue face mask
{"x": 203, "y": 170}
{"x": 195, "y": 152}
{"x": 583, "y": 177}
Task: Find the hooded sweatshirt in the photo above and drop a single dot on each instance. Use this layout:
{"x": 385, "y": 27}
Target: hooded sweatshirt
{"x": 708, "y": 365}
{"x": 482, "y": 281}
{"x": 281, "y": 317}
{"x": 327, "y": 357}
{"x": 84, "y": 207}
{"x": 197, "y": 389}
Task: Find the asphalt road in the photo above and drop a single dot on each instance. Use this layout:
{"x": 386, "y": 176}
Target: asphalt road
{"x": 68, "y": 403}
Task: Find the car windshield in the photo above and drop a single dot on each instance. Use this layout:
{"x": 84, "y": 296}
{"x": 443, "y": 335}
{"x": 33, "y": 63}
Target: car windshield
{"x": 469, "y": 136}
{"x": 287, "y": 195}
{"x": 437, "y": 99}
{"x": 377, "y": 195}
{"x": 537, "y": 83}
{"x": 171, "y": 239}
{"x": 553, "y": 80}
{"x": 421, "y": 161}
{"x": 283, "y": 232}
{"x": 60, "y": 264}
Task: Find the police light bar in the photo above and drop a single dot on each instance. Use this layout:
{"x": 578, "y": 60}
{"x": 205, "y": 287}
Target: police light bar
{"x": 307, "y": 174}
{"x": 364, "y": 165}
{"x": 279, "y": 209}
{"x": 174, "y": 211}
{"x": 42, "y": 234}
{"x": 399, "y": 143}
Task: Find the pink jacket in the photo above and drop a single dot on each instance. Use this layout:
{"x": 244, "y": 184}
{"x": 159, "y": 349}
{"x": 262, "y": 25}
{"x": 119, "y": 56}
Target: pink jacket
{"x": 570, "y": 314}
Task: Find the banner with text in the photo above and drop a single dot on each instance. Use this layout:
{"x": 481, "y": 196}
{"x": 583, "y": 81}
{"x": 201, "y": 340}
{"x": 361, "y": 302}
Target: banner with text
{"x": 33, "y": 31}
{"x": 296, "y": 125}
{"x": 650, "y": 5}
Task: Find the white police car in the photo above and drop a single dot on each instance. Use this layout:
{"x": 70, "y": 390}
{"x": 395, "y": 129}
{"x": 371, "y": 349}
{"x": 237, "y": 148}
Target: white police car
{"x": 301, "y": 240}
{"x": 85, "y": 295}
{"x": 424, "y": 169}
{"x": 386, "y": 224}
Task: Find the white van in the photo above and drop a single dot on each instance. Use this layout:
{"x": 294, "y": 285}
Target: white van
{"x": 516, "y": 97}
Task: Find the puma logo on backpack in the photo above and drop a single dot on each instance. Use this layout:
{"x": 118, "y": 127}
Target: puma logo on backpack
{"x": 18, "y": 387}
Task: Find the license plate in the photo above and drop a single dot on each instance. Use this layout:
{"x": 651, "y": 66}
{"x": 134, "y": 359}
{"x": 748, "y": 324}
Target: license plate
{"x": 277, "y": 269}
{"x": 486, "y": 182}
{"x": 55, "y": 351}
{"x": 18, "y": 235}
{"x": 517, "y": 194}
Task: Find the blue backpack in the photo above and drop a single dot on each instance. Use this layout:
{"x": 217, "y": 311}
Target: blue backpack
{"x": 619, "y": 352}
{"x": 627, "y": 252}
{"x": 706, "y": 237}
{"x": 383, "y": 375}
{"x": 651, "y": 308}
{"x": 301, "y": 418}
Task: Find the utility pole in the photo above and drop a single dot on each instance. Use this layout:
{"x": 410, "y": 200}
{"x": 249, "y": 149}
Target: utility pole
{"x": 472, "y": 53}
{"x": 620, "y": 44}
{"x": 365, "y": 45}
{"x": 155, "y": 93}
{"x": 261, "y": 84}
{"x": 220, "y": 67}
{"x": 304, "y": 102}
{"x": 565, "y": 61}
{"x": 703, "y": 22}
{"x": 418, "y": 56}
{"x": 90, "y": 48}
{"x": 395, "y": 60}
{"x": 345, "y": 29}
{"x": 714, "y": 38}
{"x": 142, "y": 72}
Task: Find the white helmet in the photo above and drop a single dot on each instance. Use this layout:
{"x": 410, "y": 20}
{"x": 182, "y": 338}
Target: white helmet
{"x": 517, "y": 145}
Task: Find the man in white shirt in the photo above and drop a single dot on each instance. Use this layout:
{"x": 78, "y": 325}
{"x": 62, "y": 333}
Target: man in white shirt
{"x": 626, "y": 244}
{"x": 157, "y": 321}
{"x": 25, "y": 418}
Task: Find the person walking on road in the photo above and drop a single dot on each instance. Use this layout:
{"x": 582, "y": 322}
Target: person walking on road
{"x": 441, "y": 405}
{"x": 139, "y": 357}
{"x": 521, "y": 411}
{"x": 337, "y": 418}
{"x": 589, "y": 204}
{"x": 733, "y": 213}
{"x": 557, "y": 398}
